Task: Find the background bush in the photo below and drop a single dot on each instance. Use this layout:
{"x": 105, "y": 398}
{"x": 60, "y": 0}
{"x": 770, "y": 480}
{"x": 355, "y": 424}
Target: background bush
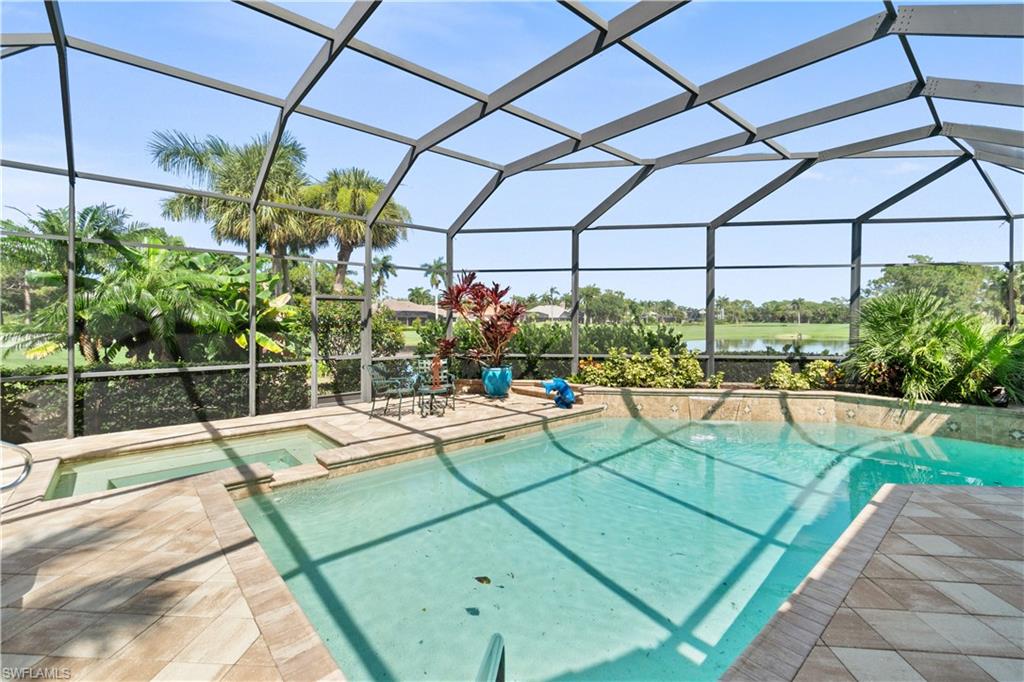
{"x": 658, "y": 370}
{"x": 818, "y": 375}
{"x": 913, "y": 347}
{"x": 535, "y": 339}
{"x": 34, "y": 410}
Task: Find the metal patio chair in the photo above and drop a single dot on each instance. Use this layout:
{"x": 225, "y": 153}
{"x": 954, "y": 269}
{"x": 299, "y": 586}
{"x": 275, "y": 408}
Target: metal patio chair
{"x": 385, "y": 386}
{"x": 431, "y": 388}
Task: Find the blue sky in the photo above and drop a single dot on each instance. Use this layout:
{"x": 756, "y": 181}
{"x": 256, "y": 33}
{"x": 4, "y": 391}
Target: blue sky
{"x": 116, "y": 108}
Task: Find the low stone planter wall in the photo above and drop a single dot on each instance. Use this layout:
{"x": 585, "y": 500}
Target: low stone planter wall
{"x": 997, "y": 426}
{"x": 530, "y": 387}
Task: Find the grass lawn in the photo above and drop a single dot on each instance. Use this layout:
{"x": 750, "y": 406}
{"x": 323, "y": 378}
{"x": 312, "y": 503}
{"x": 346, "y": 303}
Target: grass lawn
{"x": 690, "y": 331}
{"x": 410, "y": 337}
{"x": 16, "y": 358}
{"x": 768, "y": 330}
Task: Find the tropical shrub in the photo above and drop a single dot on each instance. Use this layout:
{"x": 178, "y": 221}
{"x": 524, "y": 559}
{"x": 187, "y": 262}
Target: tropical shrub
{"x": 912, "y": 347}
{"x": 146, "y": 303}
{"x": 658, "y": 370}
{"x": 782, "y": 377}
{"x": 494, "y": 320}
{"x": 716, "y": 380}
{"x": 338, "y": 327}
{"x": 536, "y": 339}
{"x": 817, "y": 375}
{"x": 822, "y": 375}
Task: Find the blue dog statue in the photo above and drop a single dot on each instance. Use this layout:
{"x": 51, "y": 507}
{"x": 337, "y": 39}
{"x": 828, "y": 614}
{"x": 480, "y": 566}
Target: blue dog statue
{"x": 564, "y": 397}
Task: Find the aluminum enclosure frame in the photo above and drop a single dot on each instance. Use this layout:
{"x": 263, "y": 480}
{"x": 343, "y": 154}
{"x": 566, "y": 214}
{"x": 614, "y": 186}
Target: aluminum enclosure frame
{"x": 983, "y": 144}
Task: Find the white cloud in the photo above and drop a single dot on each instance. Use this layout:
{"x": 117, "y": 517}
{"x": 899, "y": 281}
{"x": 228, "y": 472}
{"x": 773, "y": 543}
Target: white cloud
{"x": 904, "y": 167}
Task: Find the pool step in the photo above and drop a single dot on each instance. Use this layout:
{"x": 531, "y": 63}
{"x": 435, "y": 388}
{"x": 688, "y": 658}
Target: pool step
{"x": 236, "y": 477}
{"x": 293, "y": 475}
{"x": 358, "y": 456}
{"x": 347, "y": 454}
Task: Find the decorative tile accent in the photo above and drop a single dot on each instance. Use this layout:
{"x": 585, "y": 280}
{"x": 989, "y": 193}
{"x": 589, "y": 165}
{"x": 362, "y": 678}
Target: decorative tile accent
{"x": 1017, "y": 435}
{"x": 851, "y": 413}
{"x": 821, "y": 410}
{"x": 953, "y": 425}
{"x": 674, "y": 408}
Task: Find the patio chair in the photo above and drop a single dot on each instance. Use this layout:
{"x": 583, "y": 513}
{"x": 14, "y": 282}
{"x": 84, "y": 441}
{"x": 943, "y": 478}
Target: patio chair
{"x": 432, "y": 387}
{"x": 386, "y": 387}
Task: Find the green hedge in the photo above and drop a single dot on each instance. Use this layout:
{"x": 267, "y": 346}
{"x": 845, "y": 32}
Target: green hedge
{"x": 538, "y": 338}
{"x": 34, "y": 410}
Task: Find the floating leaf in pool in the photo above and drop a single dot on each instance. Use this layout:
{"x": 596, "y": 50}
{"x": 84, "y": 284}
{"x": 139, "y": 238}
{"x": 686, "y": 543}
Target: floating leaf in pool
{"x": 472, "y": 610}
{"x": 483, "y": 580}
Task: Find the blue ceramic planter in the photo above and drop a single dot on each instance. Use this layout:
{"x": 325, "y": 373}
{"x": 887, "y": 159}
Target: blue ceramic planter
{"x": 497, "y": 381}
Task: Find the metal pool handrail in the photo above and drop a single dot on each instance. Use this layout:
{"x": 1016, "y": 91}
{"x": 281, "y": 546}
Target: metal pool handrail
{"x": 492, "y": 669}
{"x": 27, "y": 456}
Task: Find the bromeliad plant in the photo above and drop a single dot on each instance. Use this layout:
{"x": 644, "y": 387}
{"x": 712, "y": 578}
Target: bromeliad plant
{"x": 495, "y": 321}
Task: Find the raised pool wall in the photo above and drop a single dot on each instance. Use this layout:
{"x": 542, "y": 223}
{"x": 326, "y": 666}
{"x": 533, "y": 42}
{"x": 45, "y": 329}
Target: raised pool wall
{"x": 993, "y": 425}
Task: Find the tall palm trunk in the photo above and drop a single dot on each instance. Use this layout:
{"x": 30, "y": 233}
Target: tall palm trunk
{"x": 341, "y": 269}
{"x": 26, "y": 295}
{"x": 86, "y": 344}
{"x": 279, "y": 266}
{"x": 286, "y": 278}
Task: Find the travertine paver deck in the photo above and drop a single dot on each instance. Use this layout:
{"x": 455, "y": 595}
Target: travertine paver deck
{"x": 927, "y": 584}
{"x": 166, "y": 580}
{"x": 129, "y": 585}
{"x": 350, "y": 426}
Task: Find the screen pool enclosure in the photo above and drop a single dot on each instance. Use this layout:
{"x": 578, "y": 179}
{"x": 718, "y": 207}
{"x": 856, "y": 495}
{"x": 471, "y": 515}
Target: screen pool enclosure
{"x": 979, "y": 148}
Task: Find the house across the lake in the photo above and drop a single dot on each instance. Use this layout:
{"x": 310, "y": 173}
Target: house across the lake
{"x": 408, "y": 312}
{"x": 548, "y": 312}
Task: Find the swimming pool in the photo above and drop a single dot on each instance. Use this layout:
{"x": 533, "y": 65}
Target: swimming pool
{"x": 614, "y": 549}
{"x": 276, "y": 450}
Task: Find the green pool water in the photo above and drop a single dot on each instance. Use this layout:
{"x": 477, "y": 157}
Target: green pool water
{"x": 276, "y": 450}
{"x": 617, "y": 549}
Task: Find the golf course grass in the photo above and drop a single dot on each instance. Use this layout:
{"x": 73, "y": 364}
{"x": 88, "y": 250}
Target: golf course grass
{"x": 769, "y": 331}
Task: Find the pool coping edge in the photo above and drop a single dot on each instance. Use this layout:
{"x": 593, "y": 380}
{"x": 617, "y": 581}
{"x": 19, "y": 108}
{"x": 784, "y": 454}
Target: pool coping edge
{"x": 782, "y": 646}
{"x": 295, "y": 646}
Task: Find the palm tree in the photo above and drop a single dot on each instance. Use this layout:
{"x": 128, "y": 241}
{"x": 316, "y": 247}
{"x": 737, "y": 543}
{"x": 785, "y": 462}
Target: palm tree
{"x": 353, "y": 191}
{"x": 436, "y": 271}
{"x": 41, "y": 264}
{"x": 233, "y": 169}
{"x": 383, "y": 270}
{"x": 551, "y": 296}
{"x": 157, "y": 297}
{"x": 798, "y": 304}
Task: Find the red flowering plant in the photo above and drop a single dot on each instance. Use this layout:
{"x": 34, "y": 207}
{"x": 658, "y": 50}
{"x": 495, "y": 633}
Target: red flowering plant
{"x": 494, "y": 320}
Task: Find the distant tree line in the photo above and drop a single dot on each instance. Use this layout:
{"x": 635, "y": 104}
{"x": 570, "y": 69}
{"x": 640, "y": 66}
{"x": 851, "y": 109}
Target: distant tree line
{"x": 964, "y": 288}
